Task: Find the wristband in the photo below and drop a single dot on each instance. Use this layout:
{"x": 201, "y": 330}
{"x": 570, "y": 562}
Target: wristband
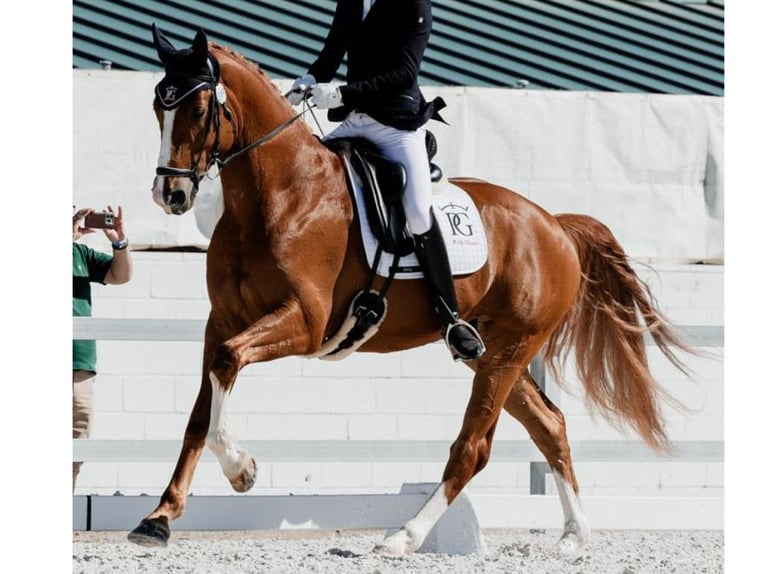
{"x": 120, "y": 245}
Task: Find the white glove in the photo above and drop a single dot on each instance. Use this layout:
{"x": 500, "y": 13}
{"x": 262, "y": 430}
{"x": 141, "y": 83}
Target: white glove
{"x": 300, "y": 85}
{"x": 326, "y": 96}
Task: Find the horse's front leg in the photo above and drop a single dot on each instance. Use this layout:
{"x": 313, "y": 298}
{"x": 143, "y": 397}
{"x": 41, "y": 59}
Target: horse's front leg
{"x": 154, "y": 530}
{"x": 237, "y": 465}
{"x": 282, "y": 333}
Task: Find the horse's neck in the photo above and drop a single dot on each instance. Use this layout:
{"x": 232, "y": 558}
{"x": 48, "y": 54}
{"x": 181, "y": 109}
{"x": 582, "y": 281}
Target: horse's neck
{"x": 292, "y": 169}
{"x": 263, "y": 112}
{"x": 290, "y": 175}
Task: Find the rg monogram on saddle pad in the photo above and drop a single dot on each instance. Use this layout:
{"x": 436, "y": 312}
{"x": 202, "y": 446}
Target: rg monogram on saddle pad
{"x": 286, "y": 261}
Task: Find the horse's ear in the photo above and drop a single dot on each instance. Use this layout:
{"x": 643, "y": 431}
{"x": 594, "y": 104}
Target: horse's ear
{"x": 162, "y": 44}
{"x": 199, "y": 46}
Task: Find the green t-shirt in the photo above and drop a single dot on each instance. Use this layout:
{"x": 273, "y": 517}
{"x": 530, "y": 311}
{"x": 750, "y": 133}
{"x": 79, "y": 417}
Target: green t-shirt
{"x": 87, "y": 265}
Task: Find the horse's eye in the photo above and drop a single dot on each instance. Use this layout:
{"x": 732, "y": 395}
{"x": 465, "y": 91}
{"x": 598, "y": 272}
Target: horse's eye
{"x": 198, "y": 112}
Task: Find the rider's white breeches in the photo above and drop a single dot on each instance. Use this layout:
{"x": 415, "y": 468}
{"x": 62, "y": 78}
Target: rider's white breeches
{"x": 405, "y": 147}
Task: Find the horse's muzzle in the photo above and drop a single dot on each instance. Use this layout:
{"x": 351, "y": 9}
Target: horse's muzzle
{"x": 176, "y": 201}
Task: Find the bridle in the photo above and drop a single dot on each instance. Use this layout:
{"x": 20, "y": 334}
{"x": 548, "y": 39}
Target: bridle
{"x": 217, "y": 103}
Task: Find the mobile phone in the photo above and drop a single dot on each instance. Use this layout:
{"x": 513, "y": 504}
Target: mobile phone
{"x": 101, "y": 220}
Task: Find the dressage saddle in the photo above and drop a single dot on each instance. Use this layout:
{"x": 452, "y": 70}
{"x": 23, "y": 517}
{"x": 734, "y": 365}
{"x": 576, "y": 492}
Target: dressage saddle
{"x": 382, "y": 184}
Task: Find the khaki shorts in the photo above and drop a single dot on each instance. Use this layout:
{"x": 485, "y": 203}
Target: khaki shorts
{"x": 82, "y": 410}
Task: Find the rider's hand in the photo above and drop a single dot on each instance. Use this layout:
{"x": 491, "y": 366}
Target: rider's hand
{"x": 298, "y": 90}
{"x": 326, "y": 96}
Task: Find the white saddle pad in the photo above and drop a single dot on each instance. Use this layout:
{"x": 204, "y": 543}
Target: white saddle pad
{"x": 460, "y": 224}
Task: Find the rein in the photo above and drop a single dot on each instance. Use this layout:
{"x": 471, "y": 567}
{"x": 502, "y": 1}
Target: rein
{"x": 272, "y": 134}
{"x": 218, "y": 100}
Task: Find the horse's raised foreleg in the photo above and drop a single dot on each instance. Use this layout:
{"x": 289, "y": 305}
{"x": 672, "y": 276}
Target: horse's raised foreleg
{"x": 237, "y": 465}
{"x": 547, "y": 428}
{"x": 279, "y": 334}
{"x": 468, "y": 454}
{"x": 282, "y": 333}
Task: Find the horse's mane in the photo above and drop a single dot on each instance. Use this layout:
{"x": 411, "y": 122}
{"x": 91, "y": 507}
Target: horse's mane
{"x": 249, "y": 65}
{"x": 237, "y": 56}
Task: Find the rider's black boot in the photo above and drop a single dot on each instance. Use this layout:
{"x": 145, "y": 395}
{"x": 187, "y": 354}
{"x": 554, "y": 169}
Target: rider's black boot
{"x": 462, "y": 339}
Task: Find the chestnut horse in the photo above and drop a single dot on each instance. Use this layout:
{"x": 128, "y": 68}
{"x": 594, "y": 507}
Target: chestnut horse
{"x": 286, "y": 259}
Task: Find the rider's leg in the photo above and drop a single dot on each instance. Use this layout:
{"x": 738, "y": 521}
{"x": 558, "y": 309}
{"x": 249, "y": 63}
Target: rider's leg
{"x": 462, "y": 339}
{"x": 409, "y": 149}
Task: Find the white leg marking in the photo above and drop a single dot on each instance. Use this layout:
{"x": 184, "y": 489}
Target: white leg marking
{"x": 219, "y": 438}
{"x": 412, "y": 535}
{"x": 166, "y": 146}
{"x": 576, "y": 528}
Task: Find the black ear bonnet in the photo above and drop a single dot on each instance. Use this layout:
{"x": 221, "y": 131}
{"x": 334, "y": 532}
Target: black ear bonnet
{"x": 186, "y": 70}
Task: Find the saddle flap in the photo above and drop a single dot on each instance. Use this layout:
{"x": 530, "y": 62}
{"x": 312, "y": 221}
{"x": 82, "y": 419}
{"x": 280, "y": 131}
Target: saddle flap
{"x": 382, "y": 184}
{"x": 390, "y": 176}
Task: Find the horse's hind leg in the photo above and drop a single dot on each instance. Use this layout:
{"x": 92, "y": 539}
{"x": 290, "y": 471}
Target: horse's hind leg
{"x": 469, "y": 453}
{"x": 546, "y": 426}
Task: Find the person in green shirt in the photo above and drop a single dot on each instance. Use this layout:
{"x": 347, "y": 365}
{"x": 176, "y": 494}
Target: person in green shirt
{"x": 90, "y": 265}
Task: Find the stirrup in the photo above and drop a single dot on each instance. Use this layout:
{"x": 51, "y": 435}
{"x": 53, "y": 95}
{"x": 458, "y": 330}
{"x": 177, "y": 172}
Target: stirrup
{"x": 463, "y": 341}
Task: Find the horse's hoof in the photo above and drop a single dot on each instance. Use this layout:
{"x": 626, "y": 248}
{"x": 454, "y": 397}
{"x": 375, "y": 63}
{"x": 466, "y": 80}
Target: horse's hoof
{"x": 387, "y": 550}
{"x": 245, "y": 480}
{"x": 398, "y": 544}
{"x": 570, "y": 546}
{"x": 153, "y": 532}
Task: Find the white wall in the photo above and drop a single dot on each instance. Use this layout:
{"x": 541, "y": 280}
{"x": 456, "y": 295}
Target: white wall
{"x": 145, "y": 391}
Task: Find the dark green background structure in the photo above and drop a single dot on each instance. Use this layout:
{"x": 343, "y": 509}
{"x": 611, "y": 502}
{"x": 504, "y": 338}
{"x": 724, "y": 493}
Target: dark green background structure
{"x": 654, "y": 46}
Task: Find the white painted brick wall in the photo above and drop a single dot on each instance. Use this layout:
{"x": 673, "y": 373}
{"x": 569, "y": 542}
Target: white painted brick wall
{"x": 146, "y": 390}
{"x": 372, "y": 427}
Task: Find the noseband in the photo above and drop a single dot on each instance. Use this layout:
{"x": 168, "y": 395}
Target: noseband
{"x": 216, "y": 103}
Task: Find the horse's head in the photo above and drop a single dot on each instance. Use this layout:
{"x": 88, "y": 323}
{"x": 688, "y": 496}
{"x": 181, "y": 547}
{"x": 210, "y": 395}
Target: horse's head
{"x": 188, "y": 102}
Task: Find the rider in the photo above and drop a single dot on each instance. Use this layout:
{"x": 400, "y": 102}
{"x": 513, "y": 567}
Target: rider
{"x": 382, "y": 102}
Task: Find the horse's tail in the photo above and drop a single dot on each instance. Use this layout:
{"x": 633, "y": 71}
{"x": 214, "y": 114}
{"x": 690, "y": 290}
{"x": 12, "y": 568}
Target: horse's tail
{"x": 606, "y": 327}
